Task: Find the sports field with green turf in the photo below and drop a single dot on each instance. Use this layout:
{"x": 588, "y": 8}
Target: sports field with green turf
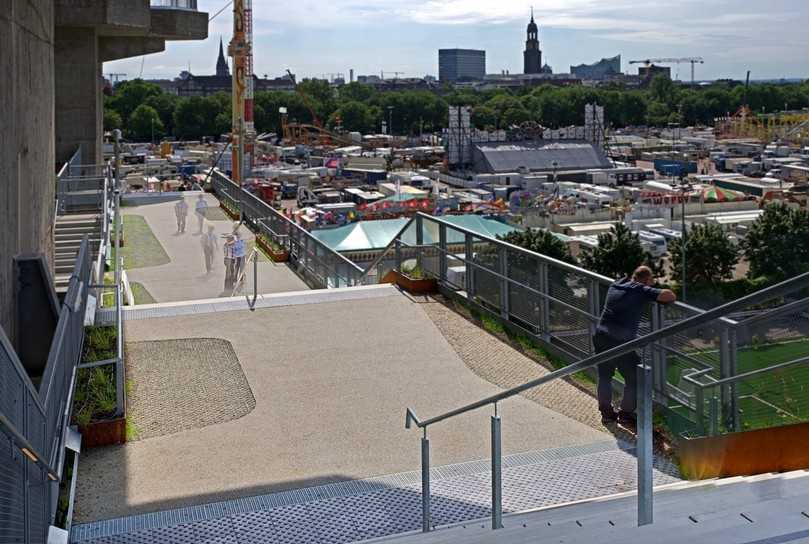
{"x": 770, "y": 399}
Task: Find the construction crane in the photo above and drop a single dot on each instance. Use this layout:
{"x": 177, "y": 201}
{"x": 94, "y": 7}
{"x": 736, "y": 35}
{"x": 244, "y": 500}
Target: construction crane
{"x": 241, "y": 49}
{"x": 395, "y": 74}
{"x": 691, "y": 60}
{"x": 306, "y": 100}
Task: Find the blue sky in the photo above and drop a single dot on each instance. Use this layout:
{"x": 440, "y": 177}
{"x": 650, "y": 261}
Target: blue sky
{"x": 316, "y": 37}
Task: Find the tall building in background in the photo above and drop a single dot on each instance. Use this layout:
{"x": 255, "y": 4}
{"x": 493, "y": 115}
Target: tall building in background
{"x": 603, "y": 69}
{"x": 532, "y": 57}
{"x": 222, "y": 69}
{"x": 461, "y": 65}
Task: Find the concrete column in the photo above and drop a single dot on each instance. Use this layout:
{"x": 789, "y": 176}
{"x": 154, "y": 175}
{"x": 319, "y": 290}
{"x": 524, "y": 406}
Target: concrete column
{"x": 79, "y": 98}
{"x": 27, "y": 189}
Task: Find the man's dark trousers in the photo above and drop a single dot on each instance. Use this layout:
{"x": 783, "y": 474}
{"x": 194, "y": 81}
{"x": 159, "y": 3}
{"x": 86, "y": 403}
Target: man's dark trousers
{"x": 626, "y": 364}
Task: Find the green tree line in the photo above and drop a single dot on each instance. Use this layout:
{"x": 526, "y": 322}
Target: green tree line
{"x": 143, "y": 109}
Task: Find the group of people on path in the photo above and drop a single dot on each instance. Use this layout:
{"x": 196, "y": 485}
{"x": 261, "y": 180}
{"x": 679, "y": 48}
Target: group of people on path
{"x": 234, "y": 248}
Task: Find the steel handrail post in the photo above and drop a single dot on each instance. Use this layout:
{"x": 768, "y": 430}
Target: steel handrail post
{"x": 426, "y": 522}
{"x": 497, "y": 471}
{"x": 645, "y": 453}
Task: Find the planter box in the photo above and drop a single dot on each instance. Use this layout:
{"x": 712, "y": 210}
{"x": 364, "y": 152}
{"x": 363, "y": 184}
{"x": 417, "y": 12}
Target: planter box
{"x": 104, "y": 433}
{"x": 234, "y": 216}
{"x": 276, "y": 256}
{"x": 777, "y": 449}
{"x": 415, "y": 286}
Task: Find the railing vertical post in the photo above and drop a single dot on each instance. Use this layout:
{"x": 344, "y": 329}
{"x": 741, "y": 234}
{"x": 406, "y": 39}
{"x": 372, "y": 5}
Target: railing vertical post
{"x": 725, "y": 372}
{"x": 497, "y": 474}
{"x": 713, "y": 414}
{"x": 733, "y": 350}
{"x": 419, "y": 239}
{"x": 469, "y": 250}
{"x": 425, "y": 483}
{"x": 644, "y": 445}
{"x": 545, "y": 303}
{"x": 658, "y": 355}
{"x": 699, "y": 406}
{"x": 442, "y": 252}
{"x": 594, "y": 300}
{"x": 503, "y": 269}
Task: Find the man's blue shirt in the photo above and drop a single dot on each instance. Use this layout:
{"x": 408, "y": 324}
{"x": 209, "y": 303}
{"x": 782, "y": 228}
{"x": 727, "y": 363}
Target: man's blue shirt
{"x": 623, "y": 310}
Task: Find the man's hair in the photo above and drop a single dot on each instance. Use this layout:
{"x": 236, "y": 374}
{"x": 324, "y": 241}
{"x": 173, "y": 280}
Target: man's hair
{"x": 642, "y": 274}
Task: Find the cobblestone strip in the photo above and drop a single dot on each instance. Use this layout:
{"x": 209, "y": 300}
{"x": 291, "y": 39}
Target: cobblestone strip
{"x": 498, "y": 363}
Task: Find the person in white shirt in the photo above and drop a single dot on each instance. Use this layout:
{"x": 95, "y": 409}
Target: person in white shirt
{"x": 200, "y": 208}
{"x": 239, "y": 253}
{"x": 181, "y": 213}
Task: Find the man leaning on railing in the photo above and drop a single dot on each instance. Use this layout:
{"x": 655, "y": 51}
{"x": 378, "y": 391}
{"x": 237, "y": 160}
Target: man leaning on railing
{"x": 619, "y": 324}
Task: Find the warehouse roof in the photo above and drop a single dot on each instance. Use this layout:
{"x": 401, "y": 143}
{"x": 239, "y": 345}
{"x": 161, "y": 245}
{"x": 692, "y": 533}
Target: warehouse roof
{"x": 540, "y": 156}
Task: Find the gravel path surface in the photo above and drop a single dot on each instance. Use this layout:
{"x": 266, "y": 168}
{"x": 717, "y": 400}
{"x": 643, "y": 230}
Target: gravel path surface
{"x": 184, "y": 384}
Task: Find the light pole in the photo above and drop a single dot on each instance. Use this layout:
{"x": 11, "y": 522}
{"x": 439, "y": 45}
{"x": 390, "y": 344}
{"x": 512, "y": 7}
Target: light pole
{"x": 390, "y": 120}
{"x": 152, "y": 118}
{"x": 685, "y": 188}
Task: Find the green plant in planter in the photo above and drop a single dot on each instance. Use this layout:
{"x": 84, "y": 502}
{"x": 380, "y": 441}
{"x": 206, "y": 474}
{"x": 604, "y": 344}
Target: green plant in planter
{"x": 414, "y": 272}
{"x": 95, "y": 396}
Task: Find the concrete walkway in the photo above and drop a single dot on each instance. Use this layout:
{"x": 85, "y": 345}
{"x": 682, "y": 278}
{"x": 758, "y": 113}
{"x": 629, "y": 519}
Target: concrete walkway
{"x": 331, "y": 383}
{"x": 184, "y": 278}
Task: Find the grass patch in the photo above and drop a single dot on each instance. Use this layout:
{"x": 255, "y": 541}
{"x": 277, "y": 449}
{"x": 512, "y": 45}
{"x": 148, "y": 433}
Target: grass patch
{"x": 142, "y": 248}
{"x": 141, "y": 294}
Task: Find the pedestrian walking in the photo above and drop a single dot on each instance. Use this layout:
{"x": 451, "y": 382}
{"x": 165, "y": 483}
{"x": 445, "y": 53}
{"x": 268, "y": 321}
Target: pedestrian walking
{"x": 229, "y": 262}
{"x": 239, "y": 254}
{"x": 200, "y": 208}
{"x": 209, "y": 245}
{"x": 181, "y": 213}
{"x": 626, "y": 300}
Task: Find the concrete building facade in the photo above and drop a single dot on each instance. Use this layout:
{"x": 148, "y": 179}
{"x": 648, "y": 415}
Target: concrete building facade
{"x": 89, "y": 33}
{"x": 461, "y": 65}
{"x": 51, "y": 57}
{"x": 27, "y": 189}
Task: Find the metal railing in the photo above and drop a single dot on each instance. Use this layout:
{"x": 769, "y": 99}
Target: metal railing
{"x": 644, "y": 397}
{"x": 318, "y": 264}
{"x": 34, "y": 422}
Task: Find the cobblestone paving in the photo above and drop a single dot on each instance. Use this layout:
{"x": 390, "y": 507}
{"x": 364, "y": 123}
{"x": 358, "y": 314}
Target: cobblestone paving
{"x": 184, "y": 384}
{"x": 362, "y": 509}
{"x": 500, "y": 364}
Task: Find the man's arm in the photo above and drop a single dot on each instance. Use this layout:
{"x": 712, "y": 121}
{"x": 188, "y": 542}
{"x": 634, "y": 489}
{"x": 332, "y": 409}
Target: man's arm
{"x": 666, "y": 296}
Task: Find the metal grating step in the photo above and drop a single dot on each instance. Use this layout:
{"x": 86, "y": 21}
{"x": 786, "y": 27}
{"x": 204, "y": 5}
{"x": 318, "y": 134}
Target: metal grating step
{"x": 362, "y": 509}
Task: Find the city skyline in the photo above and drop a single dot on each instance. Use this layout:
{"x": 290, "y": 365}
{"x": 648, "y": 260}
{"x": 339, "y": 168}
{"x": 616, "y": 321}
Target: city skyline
{"x": 390, "y": 35}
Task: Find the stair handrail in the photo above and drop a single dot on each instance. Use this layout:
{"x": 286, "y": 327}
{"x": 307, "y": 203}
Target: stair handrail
{"x": 785, "y": 287}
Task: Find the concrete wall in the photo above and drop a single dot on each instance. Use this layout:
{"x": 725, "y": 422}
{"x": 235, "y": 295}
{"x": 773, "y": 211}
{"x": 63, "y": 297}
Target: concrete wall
{"x": 27, "y": 152}
{"x": 79, "y": 106}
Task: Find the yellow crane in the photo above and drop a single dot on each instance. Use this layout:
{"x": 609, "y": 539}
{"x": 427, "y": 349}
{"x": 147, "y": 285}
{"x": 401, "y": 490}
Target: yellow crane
{"x": 241, "y": 49}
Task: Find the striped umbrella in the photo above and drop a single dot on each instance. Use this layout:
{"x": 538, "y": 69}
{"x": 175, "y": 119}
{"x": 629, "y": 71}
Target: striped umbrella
{"x": 717, "y": 194}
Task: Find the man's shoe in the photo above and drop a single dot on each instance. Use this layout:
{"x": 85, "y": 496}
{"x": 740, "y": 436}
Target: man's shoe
{"x": 628, "y": 419}
{"x": 608, "y": 417}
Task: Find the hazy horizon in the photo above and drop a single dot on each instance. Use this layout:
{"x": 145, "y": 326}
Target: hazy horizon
{"x": 314, "y": 39}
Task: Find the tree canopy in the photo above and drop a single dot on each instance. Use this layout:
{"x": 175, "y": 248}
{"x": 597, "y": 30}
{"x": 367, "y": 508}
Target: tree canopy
{"x": 413, "y": 111}
{"x": 710, "y": 256}
{"x": 777, "y": 244}
{"x": 618, "y": 254}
